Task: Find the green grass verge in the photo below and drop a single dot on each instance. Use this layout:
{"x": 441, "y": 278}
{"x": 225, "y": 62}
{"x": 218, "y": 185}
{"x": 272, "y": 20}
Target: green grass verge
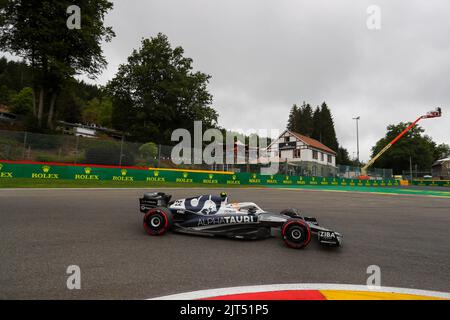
{"x": 385, "y": 190}
{"x": 43, "y": 183}
{"x": 38, "y": 183}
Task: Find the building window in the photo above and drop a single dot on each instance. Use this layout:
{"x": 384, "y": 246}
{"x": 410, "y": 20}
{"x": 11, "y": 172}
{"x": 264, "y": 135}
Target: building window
{"x": 315, "y": 155}
{"x": 321, "y": 156}
{"x": 297, "y": 153}
{"x": 330, "y": 159}
{"x": 286, "y": 139}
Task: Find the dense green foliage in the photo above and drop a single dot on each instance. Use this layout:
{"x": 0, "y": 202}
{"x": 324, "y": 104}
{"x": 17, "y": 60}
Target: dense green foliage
{"x": 22, "y": 102}
{"x": 317, "y": 124}
{"x": 421, "y": 148}
{"x": 156, "y": 91}
{"x": 74, "y": 98}
{"x": 153, "y": 94}
{"x": 37, "y": 32}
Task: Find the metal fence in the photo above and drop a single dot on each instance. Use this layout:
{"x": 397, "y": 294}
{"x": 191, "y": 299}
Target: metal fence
{"x": 73, "y": 149}
{"x": 406, "y": 174}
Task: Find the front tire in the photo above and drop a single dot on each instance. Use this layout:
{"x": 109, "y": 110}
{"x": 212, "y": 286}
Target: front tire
{"x": 157, "y": 221}
{"x": 296, "y": 234}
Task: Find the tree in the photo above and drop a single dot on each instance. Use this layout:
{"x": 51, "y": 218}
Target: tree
{"x": 149, "y": 150}
{"x": 293, "y": 119}
{"x": 98, "y": 111}
{"x": 306, "y": 120}
{"x": 5, "y": 95}
{"x": 441, "y": 151}
{"x": 22, "y": 102}
{"x": 301, "y": 119}
{"x": 317, "y": 126}
{"x": 327, "y": 132}
{"x": 74, "y": 97}
{"x": 342, "y": 157}
{"x": 37, "y": 32}
{"x": 156, "y": 91}
{"x": 413, "y": 144}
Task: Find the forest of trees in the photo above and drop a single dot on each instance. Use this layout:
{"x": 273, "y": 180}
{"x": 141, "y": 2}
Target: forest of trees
{"x": 318, "y": 124}
{"x": 77, "y": 102}
{"x": 422, "y": 150}
{"x": 153, "y": 92}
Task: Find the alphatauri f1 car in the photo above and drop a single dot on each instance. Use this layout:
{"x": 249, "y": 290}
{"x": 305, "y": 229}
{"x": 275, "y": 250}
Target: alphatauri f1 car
{"x": 214, "y": 216}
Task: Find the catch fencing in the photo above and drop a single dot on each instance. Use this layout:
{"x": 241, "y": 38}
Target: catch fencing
{"x": 104, "y": 150}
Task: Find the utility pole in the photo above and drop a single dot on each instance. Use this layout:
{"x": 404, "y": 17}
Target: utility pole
{"x": 121, "y": 150}
{"x": 410, "y": 168}
{"x": 357, "y": 137}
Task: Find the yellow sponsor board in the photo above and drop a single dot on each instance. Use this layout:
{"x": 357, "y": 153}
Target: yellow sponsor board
{"x": 4, "y": 174}
{"x": 233, "y": 180}
{"x": 287, "y": 180}
{"x": 254, "y": 179}
{"x": 210, "y": 181}
{"x": 45, "y": 174}
{"x": 156, "y": 177}
{"x": 123, "y": 176}
{"x": 87, "y": 175}
{"x": 272, "y": 180}
{"x": 184, "y": 179}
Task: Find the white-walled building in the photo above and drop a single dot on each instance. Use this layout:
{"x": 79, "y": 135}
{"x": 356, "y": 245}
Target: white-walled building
{"x": 310, "y": 156}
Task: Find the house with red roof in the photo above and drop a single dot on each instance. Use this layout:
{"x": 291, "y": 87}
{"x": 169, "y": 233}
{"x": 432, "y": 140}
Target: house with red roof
{"x": 309, "y": 156}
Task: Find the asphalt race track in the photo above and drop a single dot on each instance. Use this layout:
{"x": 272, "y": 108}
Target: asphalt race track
{"x": 42, "y": 232}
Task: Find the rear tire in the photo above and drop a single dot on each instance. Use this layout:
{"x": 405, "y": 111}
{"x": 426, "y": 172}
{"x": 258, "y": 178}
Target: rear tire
{"x": 296, "y": 234}
{"x": 158, "y": 221}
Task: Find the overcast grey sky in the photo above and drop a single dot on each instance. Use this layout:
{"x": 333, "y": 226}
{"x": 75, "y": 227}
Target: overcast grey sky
{"x": 264, "y": 56}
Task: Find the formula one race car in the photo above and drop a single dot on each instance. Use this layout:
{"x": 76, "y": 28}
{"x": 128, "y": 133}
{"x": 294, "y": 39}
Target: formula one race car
{"x": 214, "y": 216}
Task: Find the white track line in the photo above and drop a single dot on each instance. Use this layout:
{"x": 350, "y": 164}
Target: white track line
{"x": 233, "y": 188}
{"x": 202, "y": 294}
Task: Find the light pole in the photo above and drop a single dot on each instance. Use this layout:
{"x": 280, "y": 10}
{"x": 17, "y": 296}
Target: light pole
{"x": 357, "y": 137}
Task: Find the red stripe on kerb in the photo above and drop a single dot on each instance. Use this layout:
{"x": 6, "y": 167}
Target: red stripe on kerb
{"x": 273, "y": 295}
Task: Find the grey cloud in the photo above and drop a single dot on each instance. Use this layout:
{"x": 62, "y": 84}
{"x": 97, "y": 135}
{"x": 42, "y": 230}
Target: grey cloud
{"x": 266, "y": 55}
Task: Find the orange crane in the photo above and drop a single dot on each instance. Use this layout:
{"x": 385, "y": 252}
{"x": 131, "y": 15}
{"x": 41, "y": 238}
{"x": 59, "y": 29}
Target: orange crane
{"x": 432, "y": 114}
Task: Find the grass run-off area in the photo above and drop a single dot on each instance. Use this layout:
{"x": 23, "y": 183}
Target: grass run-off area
{"x": 38, "y": 183}
{"x": 44, "y": 183}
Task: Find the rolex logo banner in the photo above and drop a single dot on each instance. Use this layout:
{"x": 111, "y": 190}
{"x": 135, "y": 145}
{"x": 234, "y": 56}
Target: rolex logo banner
{"x": 58, "y": 171}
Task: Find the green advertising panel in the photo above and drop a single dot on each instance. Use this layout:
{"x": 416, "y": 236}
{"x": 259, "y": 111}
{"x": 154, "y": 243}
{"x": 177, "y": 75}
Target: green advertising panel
{"x": 432, "y": 183}
{"x": 10, "y": 170}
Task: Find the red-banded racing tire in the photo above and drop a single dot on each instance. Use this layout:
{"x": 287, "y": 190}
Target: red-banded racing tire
{"x": 158, "y": 221}
{"x": 296, "y": 233}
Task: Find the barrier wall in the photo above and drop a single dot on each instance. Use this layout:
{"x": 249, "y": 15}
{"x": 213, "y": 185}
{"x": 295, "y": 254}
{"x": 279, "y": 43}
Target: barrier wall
{"x": 57, "y": 171}
{"x": 432, "y": 183}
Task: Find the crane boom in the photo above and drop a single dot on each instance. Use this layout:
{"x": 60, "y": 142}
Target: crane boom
{"x": 432, "y": 114}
